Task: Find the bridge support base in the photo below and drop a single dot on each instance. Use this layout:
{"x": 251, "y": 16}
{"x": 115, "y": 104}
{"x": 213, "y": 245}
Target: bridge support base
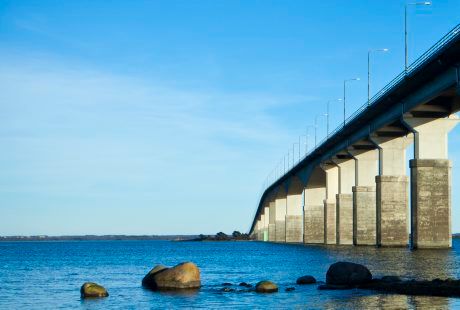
{"x": 431, "y": 203}
{"x": 272, "y": 232}
{"x": 314, "y": 224}
{"x": 330, "y": 222}
{"x": 294, "y": 229}
{"x": 364, "y": 215}
{"x": 392, "y": 209}
{"x": 344, "y": 219}
{"x": 259, "y": 235}
{"x": 280, "y": 231}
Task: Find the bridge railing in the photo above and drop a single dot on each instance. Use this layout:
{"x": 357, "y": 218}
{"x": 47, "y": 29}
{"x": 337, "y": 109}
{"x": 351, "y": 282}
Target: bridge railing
{"x": 413, "y": 67}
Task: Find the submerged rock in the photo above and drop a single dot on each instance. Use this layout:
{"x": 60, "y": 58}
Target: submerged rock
{"x": 289, "y": 289}
{"x": 437, "y": 287}
{"x": 227, "y": 289}
{"x": 183, "y": 276}
{"x": 91, "y": 290}
{"x": 266, "y": 287}
{"x": 345, "y": 273}
{"x": 306, "y": 280}
{"x": 226, "y": 284}
{"x": 334, "y": 287}
{"x": 245, "y": 284}
{"x": 390, "y": 279}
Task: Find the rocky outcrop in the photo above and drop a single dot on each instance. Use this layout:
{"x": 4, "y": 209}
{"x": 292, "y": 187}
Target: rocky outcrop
{"x": 437, "y": 287}
{"x": 306, "y": 280}
{"x": 93, "y": 290}
{"x": 183, "y": 276}
{"x": 347, "y": 274}
{"x": 266, "y": 287}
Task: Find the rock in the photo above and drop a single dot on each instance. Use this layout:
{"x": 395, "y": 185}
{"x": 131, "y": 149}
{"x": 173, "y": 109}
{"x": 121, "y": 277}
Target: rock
{"x": 345, "y": 273}
{"x": 390, "y": 279}
{"x": 227, "y": 284}
{"x": 334, "y": 287}
{"x": 90, "y": 289}
{"x": 183, "y": 276}
{"x": 227, "y": 289}
{"x": 243, "y": 284}
{"x": 306, "y": 280}
{"x": 290, "y": 289}
{"x": 266, "y": 287}
{"x": 437, "y": 287}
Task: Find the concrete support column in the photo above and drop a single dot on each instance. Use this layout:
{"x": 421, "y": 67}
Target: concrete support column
{"x": 294, "y": 212}
{"x": 344, "y": 201}
{"x": 392, "y": 194}
{"x": 280, "y": 216}
{"x": 315, "y": 193}
{"x": 431, "y": 182}
{"x": 266, "y": 219}
{"x": 332, "y": 189}
{"x": 364, "y": 198}
{"x": 259, "y": 230}
{"x": 272, "y": 221}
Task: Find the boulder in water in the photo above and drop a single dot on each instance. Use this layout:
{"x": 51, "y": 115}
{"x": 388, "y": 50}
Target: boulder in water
{"x": 390, "y": 279}
{"x": 92, "y": 290}
{"x": 266, "y": 287}
{"x": 183, "y": 276}
{"x": 346, "y": 273}
{"x": 306, "y": 280}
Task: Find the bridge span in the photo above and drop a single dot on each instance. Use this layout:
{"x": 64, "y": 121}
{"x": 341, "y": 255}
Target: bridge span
{"x": 353, "y": 189}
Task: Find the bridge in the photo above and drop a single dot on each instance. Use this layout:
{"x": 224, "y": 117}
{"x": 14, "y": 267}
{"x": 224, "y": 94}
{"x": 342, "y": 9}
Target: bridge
{"x": 352, "y": 189}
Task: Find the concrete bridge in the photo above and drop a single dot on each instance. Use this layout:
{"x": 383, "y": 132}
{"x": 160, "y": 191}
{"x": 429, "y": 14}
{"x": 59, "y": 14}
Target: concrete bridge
{"x": 353, "y": 189}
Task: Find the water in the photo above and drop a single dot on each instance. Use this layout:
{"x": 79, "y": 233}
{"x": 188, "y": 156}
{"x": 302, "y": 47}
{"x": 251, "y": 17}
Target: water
{"x": 48, "y": 275}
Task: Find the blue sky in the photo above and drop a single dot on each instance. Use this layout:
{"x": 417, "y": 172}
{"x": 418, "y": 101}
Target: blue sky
{"x": 164, "y": 117}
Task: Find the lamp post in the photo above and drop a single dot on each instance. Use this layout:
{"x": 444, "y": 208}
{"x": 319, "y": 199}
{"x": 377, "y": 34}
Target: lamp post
{"x": 369, "y": 71}
{"x": 316, "y": 125}
{"x": 307, "y": 135}
{"x": 293, "y": 152}
{"x": 406, "y": 58}
{"x": 344, "y": 97}
{"x": 288, "y": 159}
{"x": 327, "y": 114}
{"x": 299, "y": 147}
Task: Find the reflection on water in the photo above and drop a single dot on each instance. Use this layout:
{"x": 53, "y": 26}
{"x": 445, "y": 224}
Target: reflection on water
{"x": 48, "y": 275}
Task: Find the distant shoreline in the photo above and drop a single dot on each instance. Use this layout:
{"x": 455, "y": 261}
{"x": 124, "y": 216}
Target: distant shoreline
{"x": 99, "y": 238}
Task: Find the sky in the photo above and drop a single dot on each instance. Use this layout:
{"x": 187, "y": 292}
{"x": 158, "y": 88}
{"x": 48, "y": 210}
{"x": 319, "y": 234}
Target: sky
{"x": 165, "y": 116}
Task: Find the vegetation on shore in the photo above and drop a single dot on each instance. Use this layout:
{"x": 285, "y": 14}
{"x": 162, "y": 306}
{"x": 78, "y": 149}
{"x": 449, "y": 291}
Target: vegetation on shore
{"x": 220, "y": 236}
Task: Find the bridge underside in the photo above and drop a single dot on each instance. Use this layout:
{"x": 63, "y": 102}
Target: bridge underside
{"x": 353, "y": 189}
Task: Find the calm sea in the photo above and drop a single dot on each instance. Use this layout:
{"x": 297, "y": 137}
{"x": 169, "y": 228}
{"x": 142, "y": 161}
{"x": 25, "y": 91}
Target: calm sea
{"x": 48, "y": 275}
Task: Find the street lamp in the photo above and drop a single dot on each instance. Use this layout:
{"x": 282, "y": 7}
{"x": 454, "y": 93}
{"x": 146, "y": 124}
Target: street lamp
{"x": 369, "y": 71}
{"x": 306, "y": 138}
{"x": 344, "y": 96}
{"x": 316, "y": 124}
{"x": 327, "y": 114}
{"x": 405, "y": 30}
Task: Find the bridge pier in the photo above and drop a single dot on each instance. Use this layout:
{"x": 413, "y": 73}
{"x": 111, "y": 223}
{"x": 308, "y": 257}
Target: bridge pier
{"x": 294, "y": 212}
{"x": 344, "y": 201}
{"x": 266, "y": 217}
{"x": 259, "y": 230}
{"x": 392, "y": 191}
{"x": 272, "y": 220}
{"x": 364, "y": 205}
{"x": 315, "y": 192}
{"x": 431, "y": 182}
{"x": 280, "y": 215}
{"x": 332, "y": 189}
